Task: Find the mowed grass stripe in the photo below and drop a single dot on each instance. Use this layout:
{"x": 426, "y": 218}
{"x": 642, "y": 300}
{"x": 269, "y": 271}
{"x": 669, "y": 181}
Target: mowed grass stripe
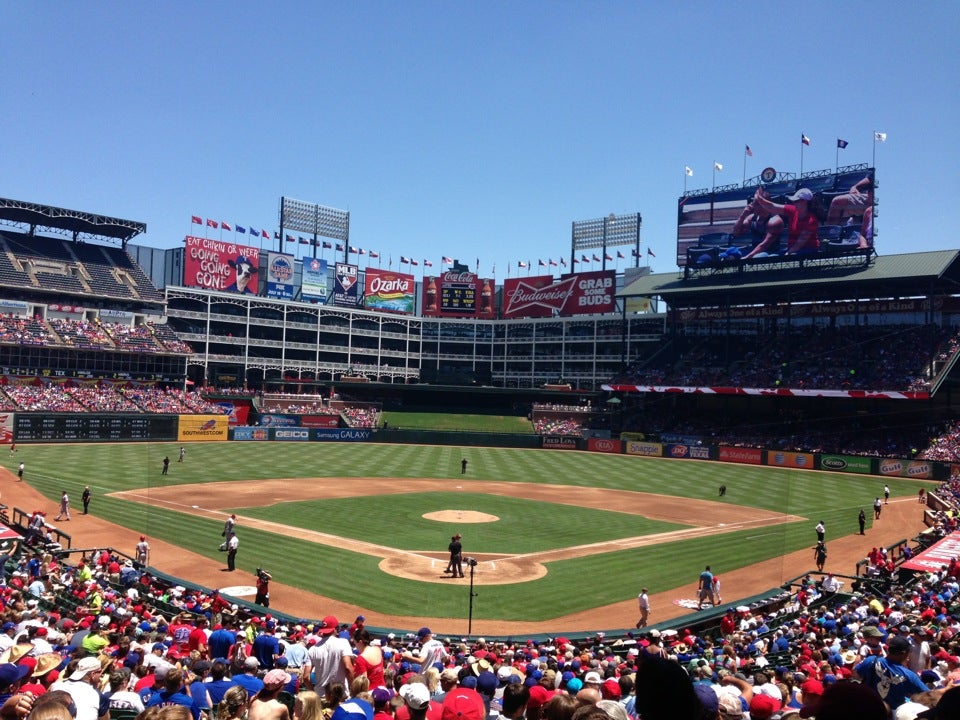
{"x": 569, "y": 586}
{"x": 362, "y": 518}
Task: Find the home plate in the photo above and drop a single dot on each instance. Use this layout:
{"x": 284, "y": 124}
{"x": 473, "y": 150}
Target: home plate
{"x": 239, "y": 590}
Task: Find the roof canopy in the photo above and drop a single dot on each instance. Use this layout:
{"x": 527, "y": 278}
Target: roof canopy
{"x": 75, "y": 222}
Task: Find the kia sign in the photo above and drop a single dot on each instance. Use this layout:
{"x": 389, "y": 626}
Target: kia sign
{"x": 388, "y": 291}
{"x": 575, "y": 294}
{"x": 604, "y": 445}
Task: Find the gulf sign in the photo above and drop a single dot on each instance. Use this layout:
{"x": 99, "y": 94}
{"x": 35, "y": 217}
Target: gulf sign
{"x": 388, "y": 291}
{"x": 795, "y": 460}
{"x": 217, "y": 265}
{"x": 894, "y": 467}
{"x": 586, "y": 293}
{"x": 604, "y": 445}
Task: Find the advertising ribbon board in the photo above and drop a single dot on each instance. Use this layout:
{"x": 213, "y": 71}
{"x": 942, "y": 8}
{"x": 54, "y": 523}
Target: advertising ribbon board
{"x": 251, "y": 433}
{"x": 320, "y": 421}
{"x": 279, "y": 420}
{"x": 744, "y": 456}
{"x": 197, "y": 428}
{"x": 649, "y": 449}
{"x": 845, "y": 463}
{"x": 604, "y": 445}
{"x": 799, "y": 461}
{"x": 935, "y": 557}
{"x": 342, "y": 434}
{"x": 558, "y": 442}
{"x": 894, "y": 467}
{"x": 291, "y": 433}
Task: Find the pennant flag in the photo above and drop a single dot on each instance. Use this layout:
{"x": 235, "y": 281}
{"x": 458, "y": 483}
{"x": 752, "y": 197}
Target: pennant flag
{"x": 621, "y": 256}
{"x": 553, "y": 262}
{"x": 804, "y": 139}
{"x": 880, "y": 137}
{"x": 241, "y": 229}
{"x": 291, "y": 238}
{"x": 717, "y": 166}
{"x": 521, "y": 264}
{"x": 195, "y": 220}
{"x": 748, "y": 151}
{"x": 650, "y": 252}
{"x": 264, "y": 233}
{"x": 447, "y": 260}
{"x": 212, "y": 223}
{"x": 374, "y": 254}
{"x": 842, "y": 143}
{"x": 688, "y": 170}
{"x": 404, "y": 260}
{"x": 327, "y": 245}
{"x": 225, "y": 226}
{"x": 413, "y": 262}
{"x": 427, "y": 263}
{"x": 541, "y": 263}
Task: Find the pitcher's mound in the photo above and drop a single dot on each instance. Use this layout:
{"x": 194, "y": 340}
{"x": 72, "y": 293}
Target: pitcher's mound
{"x": 462, "y": 516}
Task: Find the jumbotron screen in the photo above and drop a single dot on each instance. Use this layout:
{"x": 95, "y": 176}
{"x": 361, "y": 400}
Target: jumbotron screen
{"x": 796, "y": 217}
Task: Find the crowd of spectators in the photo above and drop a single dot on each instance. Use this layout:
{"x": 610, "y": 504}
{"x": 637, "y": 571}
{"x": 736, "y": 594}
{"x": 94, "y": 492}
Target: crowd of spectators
{"x": 944, "y": 447}
{"x": 106, "y": 623}
{"x": 67, "y": 397}
{"x": 567, "y": 427}
{"x": 361, "y": 417}
{"x": 564, "y": 408}
{"x": 90, "y": 335}
{"x": 893, "y": 358}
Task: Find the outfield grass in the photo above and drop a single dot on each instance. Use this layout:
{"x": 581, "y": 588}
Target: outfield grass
{"x": 569, "y": 586}
{"x": 459, "y": 421}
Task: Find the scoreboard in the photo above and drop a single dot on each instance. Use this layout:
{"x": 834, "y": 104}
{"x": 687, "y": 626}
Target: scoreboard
{"x": 81, "y": 427}
{"x": 458, "y": 298}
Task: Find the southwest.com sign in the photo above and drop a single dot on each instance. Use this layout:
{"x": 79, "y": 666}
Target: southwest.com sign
{"x": 195, "y": 428}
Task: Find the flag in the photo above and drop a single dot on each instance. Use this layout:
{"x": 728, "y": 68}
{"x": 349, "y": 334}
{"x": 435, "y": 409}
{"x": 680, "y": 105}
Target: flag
{"x": 212, "y": 223}
{"x": 553, "y": 263}
{"x": 541, "y": 263}
{"x": 621, "y": 255}
{"x": 688, "y": 170}
{"x": 447, "y": 260}
{"x": 563, "y": 262}
{"x": 804, "y": 139}
{"x": 241, "y": 229}
{"x": 339, "y": 247}
{"x": 608, "y": 257}
{"x": 315, "y": 242}
{"x": 291, "y": 238}
{"x": 413, "y": 262}
{"x": 880, "y": 137}
{"x": 362, "y": 251}
{"x": 493, "y": 270}
{"x": 650, "y": 252}
{"x": 225, "y": 225}
{"x": 842, "y": 143}
{"x": 576, "y": 262}
{"x": 374, "y": 254}
{"x": 276, "y": 235}
{"x": 748, "y": 151}
{"x": 404, "y": 260}
{"x": 596, "y": 259}
{"x": 521, "y": 264}
{"x": 326, "y": 245}
{"x": 195, "y": 220}
{"x": 717, "y": 166}
{"x": 352, "y": 249}
{"x": 427, "y": 263}
{"x": 635, "y": 253}
{"x": 584, "y": 258}
{"x": 264, "y": 233}
{"x": 303, "y": 241}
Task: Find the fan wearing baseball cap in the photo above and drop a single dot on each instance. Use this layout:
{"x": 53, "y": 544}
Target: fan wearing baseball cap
{"x": 331, "y": 659}
{"x": 432, "y": 650}
{"x": 893, "y": 681}
{"x": 801, "y": 218}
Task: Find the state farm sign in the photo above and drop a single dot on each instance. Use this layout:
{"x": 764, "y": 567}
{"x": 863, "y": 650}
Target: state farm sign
{"x": 576, "y": 294}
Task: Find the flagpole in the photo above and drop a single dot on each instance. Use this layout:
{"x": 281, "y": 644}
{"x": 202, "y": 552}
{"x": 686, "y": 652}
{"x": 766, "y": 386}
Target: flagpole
{"x": 836, "y": 162}
{"x": 685, "y": 175}
{"x": 744, "y": 166}
{"x": 802, "y": 145}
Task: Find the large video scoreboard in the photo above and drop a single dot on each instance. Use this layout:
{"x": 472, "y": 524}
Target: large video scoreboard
{"x": 75, "y": 427}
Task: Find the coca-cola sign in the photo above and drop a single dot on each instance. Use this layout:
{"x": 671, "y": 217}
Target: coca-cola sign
{"x": 575, "y": 294}
{"x": 458, "y": 294}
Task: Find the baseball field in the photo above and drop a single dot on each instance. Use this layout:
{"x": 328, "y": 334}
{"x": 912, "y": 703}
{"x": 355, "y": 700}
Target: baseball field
{"x": 560, "y": 537}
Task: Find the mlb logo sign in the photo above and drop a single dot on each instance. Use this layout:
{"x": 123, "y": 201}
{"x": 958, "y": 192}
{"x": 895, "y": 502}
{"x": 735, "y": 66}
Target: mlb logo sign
{"x": 346, "y": 277}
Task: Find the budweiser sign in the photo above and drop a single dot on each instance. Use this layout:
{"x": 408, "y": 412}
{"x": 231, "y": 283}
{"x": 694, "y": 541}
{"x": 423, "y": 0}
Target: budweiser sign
{"x": 576, "y": 294}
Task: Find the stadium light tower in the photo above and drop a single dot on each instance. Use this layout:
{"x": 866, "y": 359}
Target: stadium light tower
{"x": 610, "y": 231}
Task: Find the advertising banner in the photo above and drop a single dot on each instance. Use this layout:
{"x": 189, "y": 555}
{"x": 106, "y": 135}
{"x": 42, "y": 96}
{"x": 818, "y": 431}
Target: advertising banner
{"x": 291, "y": 433}
{"x": 342, "y": 434}
{"x": 280, "y": 276}
{"x": 573, "y": 294}
{"x": 279, "y": 420}
{"x": 638, "y": 447}
{"x": 6, "y": 428}
{"x": 346, "y": 288}
{"x": 251, "y": 433}
{"x": 935, "y": 557}
{"x": 313, "y": 286}
{"x": 604, "y": 445}
{"x": 559, "y": 442}
{"x": 894, "y": 467}
{"x": 458, "y": 294}
{"x": 845, "y": 463}
{"x": 744, "y": 456}
{"x": 388, "y": 291}
{"x": 195, "y": 428}
{"x": 218, "y": 265}
{"x": 801, "y": 461}
{"x": 320, "y": 421}
{"x": 236, "y": 414}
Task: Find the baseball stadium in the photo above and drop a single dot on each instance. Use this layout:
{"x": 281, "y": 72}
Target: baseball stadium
{"x": 585, "y": 437}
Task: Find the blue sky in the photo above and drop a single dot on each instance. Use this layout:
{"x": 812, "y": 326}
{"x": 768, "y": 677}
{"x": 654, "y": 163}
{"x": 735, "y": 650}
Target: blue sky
{"x": 475, "y": 130}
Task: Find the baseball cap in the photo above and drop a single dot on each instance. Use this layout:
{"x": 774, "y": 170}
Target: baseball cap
{"x": 423, "y": 632}
{"x": 709, "y": 701}
{"x": 802, "y": 194}
{"x": 487, "y": 683}
{"x": 463, "y": 704}
{"x": 762, "y": 707}
{"x": 898, "y": 644}
{"x": 871, "y": 631}
{"x": 353, "y": 709}
{"x": 592, "y": 677}
{"x": 328, "y": 625}
{"x": 275, "y": 678}
{"x": 416, "y": 695}
{"x": 84, "y": 666}
{"x": 10, "y": 673}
